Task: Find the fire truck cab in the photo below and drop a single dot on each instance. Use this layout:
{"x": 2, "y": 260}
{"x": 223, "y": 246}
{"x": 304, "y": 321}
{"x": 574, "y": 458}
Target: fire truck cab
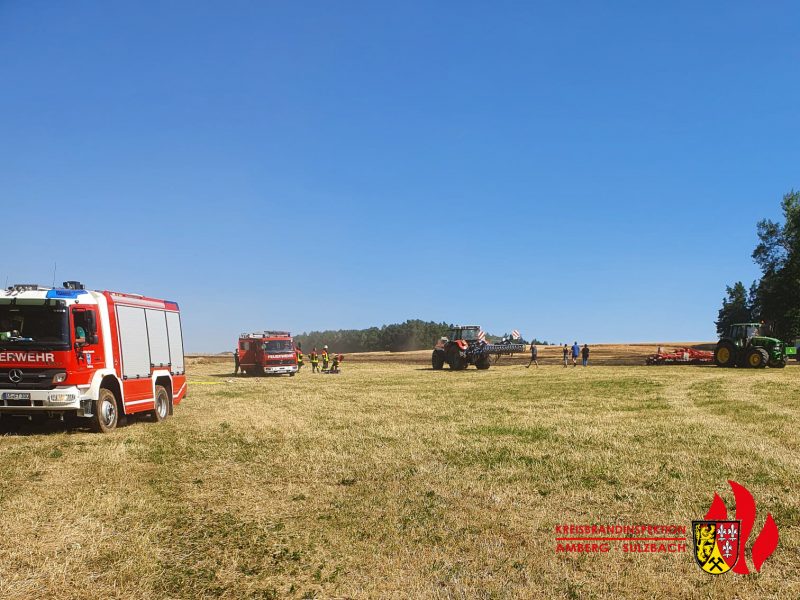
{"x": 70, "y": 352}
{"x": 267, "y": 352}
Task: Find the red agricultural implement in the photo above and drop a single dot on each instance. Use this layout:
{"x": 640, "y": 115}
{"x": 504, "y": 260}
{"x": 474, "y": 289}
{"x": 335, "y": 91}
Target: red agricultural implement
{"x": 681, "y": 356}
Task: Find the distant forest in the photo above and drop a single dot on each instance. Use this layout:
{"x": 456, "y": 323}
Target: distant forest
{"x": 397, "y": 337}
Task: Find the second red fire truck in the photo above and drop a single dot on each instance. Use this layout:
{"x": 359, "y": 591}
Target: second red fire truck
{"x": 267, "y": 352}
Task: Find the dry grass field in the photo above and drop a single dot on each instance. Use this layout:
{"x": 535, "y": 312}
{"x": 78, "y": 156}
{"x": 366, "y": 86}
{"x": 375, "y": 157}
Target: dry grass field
{"x": 391, "y": 480}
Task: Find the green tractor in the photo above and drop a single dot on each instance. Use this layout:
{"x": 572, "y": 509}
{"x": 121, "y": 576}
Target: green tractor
{"x": 744, "y": 346}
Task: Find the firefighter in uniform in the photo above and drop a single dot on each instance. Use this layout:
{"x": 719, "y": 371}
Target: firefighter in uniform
{"x": 314, "y": 360}
{"x": 299, "y": 357}
{"x": 325, "y": 358}
{"x": 236, "y": 361}
{"x": 337, "y": 358}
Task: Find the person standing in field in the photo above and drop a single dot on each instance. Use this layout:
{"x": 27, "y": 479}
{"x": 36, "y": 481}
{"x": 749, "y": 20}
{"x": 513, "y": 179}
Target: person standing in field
{"x": 236, "y": 361}
{"x": 585, "y": 354}
{"x": 534, "y": 356}
{"x": 314, "y": 358}
{"x": 325, "y": 358}
{"x": 576, "y": 350}
{"x": 565, "y": 352}
{"x": 299, "y": 352}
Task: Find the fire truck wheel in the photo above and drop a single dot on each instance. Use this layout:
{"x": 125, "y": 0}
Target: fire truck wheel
{"x": 161, "y": 408}
{"x": 106, "y": 412}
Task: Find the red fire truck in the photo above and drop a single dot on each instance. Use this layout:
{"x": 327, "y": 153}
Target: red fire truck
{"x": 270, "y": 352}
{"x": 70, "y": 352}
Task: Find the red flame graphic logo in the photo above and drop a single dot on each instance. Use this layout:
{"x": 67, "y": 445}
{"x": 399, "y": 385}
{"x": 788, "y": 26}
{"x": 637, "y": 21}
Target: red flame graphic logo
{"x": 767, "y": 539}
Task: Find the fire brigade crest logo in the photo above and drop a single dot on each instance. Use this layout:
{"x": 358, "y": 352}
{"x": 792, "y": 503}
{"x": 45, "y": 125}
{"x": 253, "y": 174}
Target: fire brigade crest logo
{"x": 722, "y": 544}
{"x": 716, "y": 545}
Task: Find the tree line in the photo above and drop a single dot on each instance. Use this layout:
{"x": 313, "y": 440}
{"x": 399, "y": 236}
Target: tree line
{"x": 413, "y": 334}
{"x": 775, "y": 297}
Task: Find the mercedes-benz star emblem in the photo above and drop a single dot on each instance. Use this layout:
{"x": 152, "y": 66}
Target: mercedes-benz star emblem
{"x": 15, "y": 375}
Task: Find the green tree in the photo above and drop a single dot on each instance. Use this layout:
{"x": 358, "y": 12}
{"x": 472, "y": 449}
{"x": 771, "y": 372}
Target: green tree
{"x": 778, "y": 255}
{"x": 737, "y": 307}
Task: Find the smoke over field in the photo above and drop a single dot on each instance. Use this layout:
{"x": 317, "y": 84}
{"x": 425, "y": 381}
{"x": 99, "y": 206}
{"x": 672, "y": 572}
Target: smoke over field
{"x": 392, "y": 480}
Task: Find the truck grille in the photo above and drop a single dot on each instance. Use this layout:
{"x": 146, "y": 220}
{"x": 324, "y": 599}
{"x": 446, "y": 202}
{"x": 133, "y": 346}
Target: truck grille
{"x": 27, "y": 379}
{"x": 275, "y": 363}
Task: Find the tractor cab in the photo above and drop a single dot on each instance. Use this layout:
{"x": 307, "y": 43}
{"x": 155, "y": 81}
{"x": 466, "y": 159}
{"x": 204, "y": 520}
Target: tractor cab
{"x": 468, "y": 333}
{"x": 741, "y": 333}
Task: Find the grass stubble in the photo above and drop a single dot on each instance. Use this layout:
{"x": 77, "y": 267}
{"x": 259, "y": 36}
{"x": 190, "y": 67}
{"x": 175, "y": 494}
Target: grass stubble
{"x": 395, "y": 481}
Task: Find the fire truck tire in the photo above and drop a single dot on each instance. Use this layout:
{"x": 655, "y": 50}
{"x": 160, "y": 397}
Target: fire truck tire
{"x": 437, "y": 360}
{"x": 106, "y": 412}
{"x": 161, "y": 407}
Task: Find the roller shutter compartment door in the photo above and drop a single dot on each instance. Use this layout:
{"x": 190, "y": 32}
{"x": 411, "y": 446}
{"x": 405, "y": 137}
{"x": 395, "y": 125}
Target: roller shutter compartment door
{"x": 158, "y": 337}
{"x": 175, "y": 342}
{"x": 133, "y": 342}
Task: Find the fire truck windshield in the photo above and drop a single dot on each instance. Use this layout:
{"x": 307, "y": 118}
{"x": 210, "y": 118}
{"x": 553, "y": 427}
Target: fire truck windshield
{"x": 33, "y": 326}
{"x": 272, "y": 346}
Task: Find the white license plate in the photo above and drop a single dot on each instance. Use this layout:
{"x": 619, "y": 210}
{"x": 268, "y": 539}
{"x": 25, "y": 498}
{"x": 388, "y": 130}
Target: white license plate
{"x": 16, "y": 396}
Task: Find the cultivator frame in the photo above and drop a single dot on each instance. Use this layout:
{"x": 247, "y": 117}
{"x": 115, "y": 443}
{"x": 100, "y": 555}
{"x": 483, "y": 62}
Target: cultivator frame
{"x": 681, "y": 356}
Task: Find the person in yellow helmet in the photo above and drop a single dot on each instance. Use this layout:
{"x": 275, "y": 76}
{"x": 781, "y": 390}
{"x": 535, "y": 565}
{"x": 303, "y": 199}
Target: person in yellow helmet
{"x": 325, "y": 358}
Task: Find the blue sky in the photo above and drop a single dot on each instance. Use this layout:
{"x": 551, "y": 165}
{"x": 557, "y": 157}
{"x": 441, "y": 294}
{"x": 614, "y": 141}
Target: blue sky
{"x": 575, "y": 170}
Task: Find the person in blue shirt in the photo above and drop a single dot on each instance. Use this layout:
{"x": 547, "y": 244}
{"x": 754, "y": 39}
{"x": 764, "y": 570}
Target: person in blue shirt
{"x": 576, "y": 350}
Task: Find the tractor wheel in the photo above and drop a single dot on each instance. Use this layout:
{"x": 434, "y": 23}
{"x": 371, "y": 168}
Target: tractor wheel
{"x": 484, "y": 362}
{"x": 437, "y": 360}
{"x": 725, "y": 354}
{"x": 454, "y": 359}
{"x": 778, "y": 364}
{"x": 757, "y": 358}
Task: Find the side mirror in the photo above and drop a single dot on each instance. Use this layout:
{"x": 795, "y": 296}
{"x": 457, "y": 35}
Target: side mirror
{"x": 91, "y": 325}
{"x": 91, "y": 328}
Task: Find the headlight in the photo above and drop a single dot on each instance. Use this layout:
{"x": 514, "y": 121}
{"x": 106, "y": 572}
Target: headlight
{"x": 60, "y": 377}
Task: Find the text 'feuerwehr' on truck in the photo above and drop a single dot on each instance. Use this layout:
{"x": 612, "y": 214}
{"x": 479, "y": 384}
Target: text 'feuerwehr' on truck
{"x": 72, "y": 353}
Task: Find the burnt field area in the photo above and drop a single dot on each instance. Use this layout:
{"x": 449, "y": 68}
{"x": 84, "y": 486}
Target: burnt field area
{"x": 601, "y": 354}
